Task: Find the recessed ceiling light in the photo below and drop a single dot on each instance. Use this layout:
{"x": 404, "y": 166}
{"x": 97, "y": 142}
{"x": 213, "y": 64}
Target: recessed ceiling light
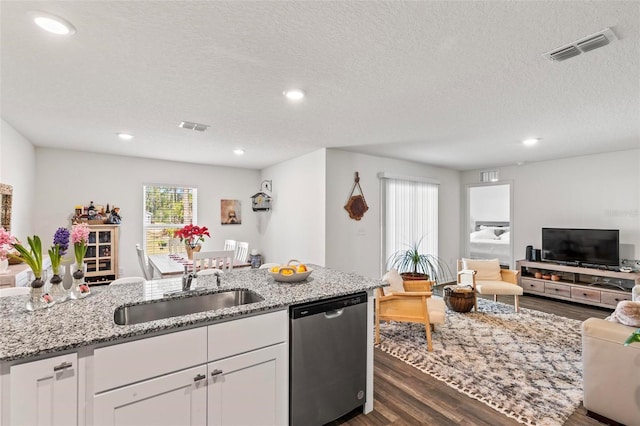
{"x": 238, "y": 151}
{"x": 530, "y": 142}
{"x": 125, "y": 136}
{"x": 52, "y": 23}
{"x": 294, "y": 95}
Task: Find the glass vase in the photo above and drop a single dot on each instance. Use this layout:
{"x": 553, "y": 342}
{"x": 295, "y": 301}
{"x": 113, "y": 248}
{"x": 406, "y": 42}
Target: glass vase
{"x": 4, "y": 266}
{"x": 57, "y": 290}
{"x": 78, "y": 290}
{"x": 38, "y": 298}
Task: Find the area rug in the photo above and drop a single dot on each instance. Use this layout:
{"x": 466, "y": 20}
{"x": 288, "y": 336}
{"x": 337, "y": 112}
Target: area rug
{"x": 526, "y": 365}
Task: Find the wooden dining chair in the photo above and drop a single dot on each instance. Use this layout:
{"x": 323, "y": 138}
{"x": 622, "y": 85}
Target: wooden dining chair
{"x": 174, "y": 245}
{"x": 205, "y": 262}
{"x": 127, "y": 280}
{"x": 147, "y": 270}
{"x": 14, "y": 291}
{"x": 242, "y": 251}
{"x": 229, "y": 245}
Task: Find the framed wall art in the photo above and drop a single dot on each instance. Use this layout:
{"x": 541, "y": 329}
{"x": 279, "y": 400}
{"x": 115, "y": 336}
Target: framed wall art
{"x": 230, "y": 212}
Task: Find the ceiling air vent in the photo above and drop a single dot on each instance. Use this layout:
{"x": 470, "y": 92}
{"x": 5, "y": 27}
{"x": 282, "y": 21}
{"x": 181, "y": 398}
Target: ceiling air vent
{"x": 189, "y": 125}
{"x": 583, "y": 45}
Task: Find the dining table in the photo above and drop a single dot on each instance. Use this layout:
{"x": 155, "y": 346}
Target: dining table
{"x": 168, "y": 265}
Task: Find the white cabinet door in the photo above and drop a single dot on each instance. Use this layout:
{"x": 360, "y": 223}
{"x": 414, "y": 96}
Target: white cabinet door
{"x": 45, "y": 392}
{"x": 173, "y": 399}
{"x": 250, "y": 389}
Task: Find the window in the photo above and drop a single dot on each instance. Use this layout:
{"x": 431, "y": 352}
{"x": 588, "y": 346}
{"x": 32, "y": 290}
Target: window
{"x": 166, "y": 208}
{"x": 410, "y": 215}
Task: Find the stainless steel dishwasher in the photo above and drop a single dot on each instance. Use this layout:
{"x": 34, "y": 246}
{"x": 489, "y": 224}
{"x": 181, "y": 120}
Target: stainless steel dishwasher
{"x": 328, "y": 359}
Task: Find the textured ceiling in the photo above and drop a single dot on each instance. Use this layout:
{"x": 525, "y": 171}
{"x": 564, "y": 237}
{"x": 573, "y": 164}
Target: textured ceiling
{"x": 455, "y": 84}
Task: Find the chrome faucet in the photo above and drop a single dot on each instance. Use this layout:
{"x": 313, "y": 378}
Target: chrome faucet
{"x": 187, "y": 277}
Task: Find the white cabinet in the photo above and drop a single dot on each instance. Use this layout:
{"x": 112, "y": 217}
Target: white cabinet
{"x": 173, "y": 399}
{"x": 249, "y": 389}
{"x": 44, "y": 392}
{"x": 232, "y": 373}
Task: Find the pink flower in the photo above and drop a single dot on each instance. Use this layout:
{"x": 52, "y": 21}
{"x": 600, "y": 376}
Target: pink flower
{"x": 80, "y": 233}
{"x": 6, "y": 243}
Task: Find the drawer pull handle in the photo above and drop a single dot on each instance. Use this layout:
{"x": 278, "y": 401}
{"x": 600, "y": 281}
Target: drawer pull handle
{"x": 63, "y": 366}
{"x": 216, "y": 372}
{"x": 199, "y": 377}
{"x": 584, "y": 294}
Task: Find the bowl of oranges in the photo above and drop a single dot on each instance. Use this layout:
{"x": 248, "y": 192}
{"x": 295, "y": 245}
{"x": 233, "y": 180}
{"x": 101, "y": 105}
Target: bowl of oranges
{"x": 292, "y": 272}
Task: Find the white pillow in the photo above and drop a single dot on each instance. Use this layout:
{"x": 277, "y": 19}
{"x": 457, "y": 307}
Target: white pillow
{"x": 395, "y": 282}
{"x": 505, "y": 236}
{"x": 498, "y": 230}
{"x": 486, "y": 269}
{"x": 483, "y": 234}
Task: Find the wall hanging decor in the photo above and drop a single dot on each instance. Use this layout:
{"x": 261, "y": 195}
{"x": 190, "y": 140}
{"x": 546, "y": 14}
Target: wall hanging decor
{"x": 261, "y": 201}
{"x": 230, "y": 212}
{"x": 356, "y": 204}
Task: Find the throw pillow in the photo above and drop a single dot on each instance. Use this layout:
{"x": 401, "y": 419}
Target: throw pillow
{"x": 395, "y": 282}
{"x": 627, "y": 312}
{"x": 486, "y": 269}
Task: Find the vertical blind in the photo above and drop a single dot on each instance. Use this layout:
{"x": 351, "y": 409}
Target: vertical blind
{"x": 410, "y": 216}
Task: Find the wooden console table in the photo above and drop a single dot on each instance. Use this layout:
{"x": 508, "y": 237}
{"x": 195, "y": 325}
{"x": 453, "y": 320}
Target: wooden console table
{"x": 598, "y": 287}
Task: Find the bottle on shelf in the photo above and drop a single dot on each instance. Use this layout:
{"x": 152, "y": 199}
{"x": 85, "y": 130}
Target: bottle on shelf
{"x": 107, "y": 211}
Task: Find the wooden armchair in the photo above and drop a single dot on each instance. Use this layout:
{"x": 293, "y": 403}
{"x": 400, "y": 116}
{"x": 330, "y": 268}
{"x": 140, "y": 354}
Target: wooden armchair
{"x": 486, "y": 277}
{"x": 413, "y": 305}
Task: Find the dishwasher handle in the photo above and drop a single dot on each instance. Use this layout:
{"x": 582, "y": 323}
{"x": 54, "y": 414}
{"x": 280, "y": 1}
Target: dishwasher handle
{"x": 333, "y": 314}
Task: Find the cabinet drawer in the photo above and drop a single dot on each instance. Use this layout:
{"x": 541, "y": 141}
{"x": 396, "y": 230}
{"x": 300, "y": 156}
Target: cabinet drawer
{"x": 612, "y": 299}
{"x": 532, "y": 285}
{"x": 585, "y": 294}
{"x": 557, "y": 289}
{"x": 126, "y": 363}
{"x": 243, "y": 335}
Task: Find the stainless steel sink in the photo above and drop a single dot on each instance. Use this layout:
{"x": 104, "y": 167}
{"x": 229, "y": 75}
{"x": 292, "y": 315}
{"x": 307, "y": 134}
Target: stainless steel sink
{"x": 127, "y": 315}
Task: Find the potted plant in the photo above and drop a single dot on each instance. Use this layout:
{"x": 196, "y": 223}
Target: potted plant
{"x": 414, "y": 265}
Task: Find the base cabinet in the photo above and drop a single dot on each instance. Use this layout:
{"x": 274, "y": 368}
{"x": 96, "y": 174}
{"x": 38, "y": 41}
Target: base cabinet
{"x": 232, "y": 373}
{"x": 249, "y": 389}
{"x": 44, "y": 392}
{"x": 173, "y": 399}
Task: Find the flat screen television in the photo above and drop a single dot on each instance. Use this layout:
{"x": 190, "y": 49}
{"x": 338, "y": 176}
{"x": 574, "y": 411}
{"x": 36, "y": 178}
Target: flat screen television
{"x": 596, "y": 247}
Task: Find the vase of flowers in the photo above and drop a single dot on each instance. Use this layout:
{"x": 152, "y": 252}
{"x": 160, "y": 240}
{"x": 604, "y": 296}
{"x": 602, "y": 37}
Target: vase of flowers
{"x": 192, "y": 236}
{"x": 38, "y": 298}
{"x": 6, "y": 244}
{"x": 57, "y": 250}
{"x": 80, "y": 240}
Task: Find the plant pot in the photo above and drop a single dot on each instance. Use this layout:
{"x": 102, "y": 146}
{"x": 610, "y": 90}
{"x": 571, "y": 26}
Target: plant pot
{"x": 190, "y": 250}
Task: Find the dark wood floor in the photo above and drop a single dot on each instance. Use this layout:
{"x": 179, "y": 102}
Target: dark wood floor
{"x": 405, "y": 396}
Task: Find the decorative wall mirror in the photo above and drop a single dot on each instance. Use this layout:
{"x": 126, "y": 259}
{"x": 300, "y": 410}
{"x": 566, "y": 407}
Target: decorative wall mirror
{"x": 6, "y": 196}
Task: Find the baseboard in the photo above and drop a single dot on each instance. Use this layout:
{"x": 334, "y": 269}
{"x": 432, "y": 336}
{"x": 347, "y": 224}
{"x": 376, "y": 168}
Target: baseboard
{"x": 603, "y": 419}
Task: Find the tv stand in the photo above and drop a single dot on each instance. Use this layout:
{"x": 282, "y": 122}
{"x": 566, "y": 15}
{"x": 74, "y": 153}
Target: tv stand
{"x": 591, "y": 286}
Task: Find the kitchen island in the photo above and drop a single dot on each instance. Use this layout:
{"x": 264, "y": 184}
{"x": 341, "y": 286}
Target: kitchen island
{"x": 84, "y": 331}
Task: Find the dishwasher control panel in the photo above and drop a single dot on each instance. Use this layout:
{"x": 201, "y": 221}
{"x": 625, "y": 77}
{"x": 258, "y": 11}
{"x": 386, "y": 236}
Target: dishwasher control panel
{"x": 325, "y": 305}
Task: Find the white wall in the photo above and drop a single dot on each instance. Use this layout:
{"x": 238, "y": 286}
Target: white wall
{"x": 594, "y": 191}
{"x": 17, "y": 168}
{"x": 67, "y": 178}
{"x": 354, "y": 246}
{"x": 489, "y": 203}
{"x": 295, "y": 226}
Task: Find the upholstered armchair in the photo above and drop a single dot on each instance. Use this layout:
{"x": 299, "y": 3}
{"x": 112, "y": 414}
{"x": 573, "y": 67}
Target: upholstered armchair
{"x": 486, "y": 277}
{"x": 408, "y": 301}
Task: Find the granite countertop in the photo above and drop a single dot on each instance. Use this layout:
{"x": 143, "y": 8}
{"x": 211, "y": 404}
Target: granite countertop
{"x": 89, "y": 321}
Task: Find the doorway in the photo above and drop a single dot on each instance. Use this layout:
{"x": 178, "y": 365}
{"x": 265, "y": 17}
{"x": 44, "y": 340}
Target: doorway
{"x": 488, "y": 230}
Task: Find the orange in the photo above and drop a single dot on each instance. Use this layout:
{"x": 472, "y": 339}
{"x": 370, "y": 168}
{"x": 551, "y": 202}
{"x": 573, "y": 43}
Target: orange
{"x": 275, "y": 269}
{"x": 302, "y": 268}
